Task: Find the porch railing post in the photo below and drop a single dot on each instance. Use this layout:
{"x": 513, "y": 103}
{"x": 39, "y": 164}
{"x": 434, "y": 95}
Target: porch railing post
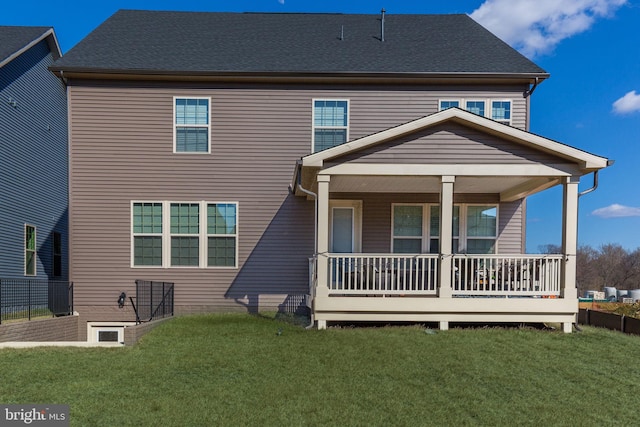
{"x": 446, "y": 235}
{"x": 569, "y": 237}
{"x": 322, "y": 283}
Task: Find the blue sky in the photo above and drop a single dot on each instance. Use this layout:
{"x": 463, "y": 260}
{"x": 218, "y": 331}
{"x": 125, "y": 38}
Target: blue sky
{"x": 591, "y": 48}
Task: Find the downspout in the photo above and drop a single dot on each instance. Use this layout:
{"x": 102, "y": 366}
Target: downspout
{"x": 315, "y": 222}
{"x": 595, "y": 180}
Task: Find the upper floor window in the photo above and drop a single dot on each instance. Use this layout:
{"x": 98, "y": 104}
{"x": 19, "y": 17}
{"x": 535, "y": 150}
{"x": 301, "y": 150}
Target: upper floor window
{"x": 444, "y": 104}
{"x": 501, "y": 111}
{"x": 184, "y": 234}
{"x": 29, "y": 250}
{"x": 330, "y": 123}
{"x": 191, "y": 125}
{"x": 498, "y": 110}
{"x": 475, "y": 107}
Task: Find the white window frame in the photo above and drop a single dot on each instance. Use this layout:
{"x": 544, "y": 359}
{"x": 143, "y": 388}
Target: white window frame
{"x": 488, "y": 106}
{"x": 490, "y": 112}
{"x": 463, "y": 243}
{"x": 424, "y": 245}
{"x": 207, "y": 126}
{"x": 313, "y": 120}
{"x": 440, "y": 101}
{"x": 166, "y": 235}
{"x": 356, "y": 207}
{"x": 34, "y": 250}
{"x": 207, "y": 235}
{"x": 462, "y": 231}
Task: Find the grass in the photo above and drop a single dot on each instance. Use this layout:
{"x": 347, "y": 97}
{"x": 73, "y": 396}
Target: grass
{"x": 242, "y": 370}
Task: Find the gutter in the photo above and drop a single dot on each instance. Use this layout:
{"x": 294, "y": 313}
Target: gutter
{"x": 595, "y": 180}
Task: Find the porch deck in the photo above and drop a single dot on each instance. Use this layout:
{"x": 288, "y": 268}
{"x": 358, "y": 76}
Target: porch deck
{"x": 477, "y": 288}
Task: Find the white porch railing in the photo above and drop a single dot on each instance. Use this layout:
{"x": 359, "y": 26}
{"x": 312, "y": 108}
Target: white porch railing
{"x": 508, "y": 275}
{"x": 471, "y": 275}
{"x": 371, "y": 274}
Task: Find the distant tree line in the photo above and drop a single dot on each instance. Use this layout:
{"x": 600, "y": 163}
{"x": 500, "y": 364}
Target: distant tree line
{"x": 609, "y": 265}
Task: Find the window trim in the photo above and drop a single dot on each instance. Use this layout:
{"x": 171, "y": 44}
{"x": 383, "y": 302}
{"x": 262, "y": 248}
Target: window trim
{"x": 488, "y": 107}
{"x": 203, "y": 236}
{"x": 313, "y": 120}
{"x": 462, "y": 238}
{"x": 207, "y": 126}
{"x": 34, "y": 250}
{"x": 424, "y": 238}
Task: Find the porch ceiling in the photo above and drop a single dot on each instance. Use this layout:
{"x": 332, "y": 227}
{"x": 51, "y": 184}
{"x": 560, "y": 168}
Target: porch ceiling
{"x": 508, "y": 187}
{"x": 422, "y": 184}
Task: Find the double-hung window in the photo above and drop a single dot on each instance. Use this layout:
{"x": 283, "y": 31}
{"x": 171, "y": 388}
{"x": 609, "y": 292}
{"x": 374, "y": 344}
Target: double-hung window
{"x": 184, "y": 234}
{"x": 330, "y": 123}
{"x": 501, "y": 111}
{"x": 408, "y": 229}
{"x": 495, "y": 109}
{"x": 474, "y": 228}
{"x": 29, "y": 250}
{"x": 221, "y": 234}
{"x": 191, "y": 125}
{"x": 449, "y": 103}
{"x": 147, "y": 234}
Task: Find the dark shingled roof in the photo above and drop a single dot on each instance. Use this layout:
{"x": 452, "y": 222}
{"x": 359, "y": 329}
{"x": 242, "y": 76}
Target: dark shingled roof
{"x": 208, "y": 43}
{"x": 12, "y": 39}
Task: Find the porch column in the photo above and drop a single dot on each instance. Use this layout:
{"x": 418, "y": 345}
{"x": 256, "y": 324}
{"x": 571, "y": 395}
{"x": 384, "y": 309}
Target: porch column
{"x": 570, "y": 237}
{"x": 322, "y": 250}
{"x": 446, "y": 235}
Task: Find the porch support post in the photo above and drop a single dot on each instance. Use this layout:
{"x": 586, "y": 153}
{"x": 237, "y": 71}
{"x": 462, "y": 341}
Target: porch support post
{"x": 322, "y": 286}
{"x": 446, "y": 235}
{"x": 570, "y": 237}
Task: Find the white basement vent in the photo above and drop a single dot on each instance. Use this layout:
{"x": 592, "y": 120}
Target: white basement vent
{"x": 107, "y": 331}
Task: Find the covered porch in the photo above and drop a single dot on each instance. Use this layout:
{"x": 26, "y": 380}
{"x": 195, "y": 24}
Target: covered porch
{"x": 444, "y": 198}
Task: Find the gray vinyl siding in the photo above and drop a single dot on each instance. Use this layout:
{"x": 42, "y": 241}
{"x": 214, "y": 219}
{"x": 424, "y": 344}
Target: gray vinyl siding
{"x": 122, "y": 151}
{"x": 33, "y": 162}
{"x": 449, "y": 143}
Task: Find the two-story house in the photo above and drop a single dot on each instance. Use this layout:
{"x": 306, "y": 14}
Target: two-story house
{"x": 375, "y": 167}
{"x": 33, "y": 157}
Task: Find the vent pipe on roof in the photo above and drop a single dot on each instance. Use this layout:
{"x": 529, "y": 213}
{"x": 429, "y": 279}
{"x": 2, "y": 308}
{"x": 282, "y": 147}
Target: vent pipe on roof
{"x": 382, "y": 25}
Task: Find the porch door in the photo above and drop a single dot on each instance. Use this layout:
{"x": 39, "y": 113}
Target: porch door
{"x": 345, "y": 230}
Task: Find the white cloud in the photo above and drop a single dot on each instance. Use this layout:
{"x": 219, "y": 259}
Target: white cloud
{"x": 535, "y": 27}
{"x": 629, "y": 103}
{"x": 616, "y": 211}
{"x": 281, "y": 1}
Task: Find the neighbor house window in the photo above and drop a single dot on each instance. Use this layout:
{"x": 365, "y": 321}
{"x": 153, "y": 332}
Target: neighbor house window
{"x": 184, "y": 234}
{"x": 191, "y": 125}
{"x": 448, "y": 103}
{"x": 147, "y": 234}
{"x": 29, "y": 250}
{"x": 501, "y": 111}
{"x": 221, "y": 234}
{"x": 330, "y": 123}
{"x": 57, "y": 254}
{"x": 474, "y": 228}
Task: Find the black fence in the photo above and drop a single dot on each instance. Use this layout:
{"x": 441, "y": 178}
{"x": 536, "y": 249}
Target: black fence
{"x": 154, "y": 300}
{"x": 29, "y": 298}
{"x": 616, "y": 322}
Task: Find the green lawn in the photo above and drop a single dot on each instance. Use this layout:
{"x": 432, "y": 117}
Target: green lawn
{"x": 240, "y": 370}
